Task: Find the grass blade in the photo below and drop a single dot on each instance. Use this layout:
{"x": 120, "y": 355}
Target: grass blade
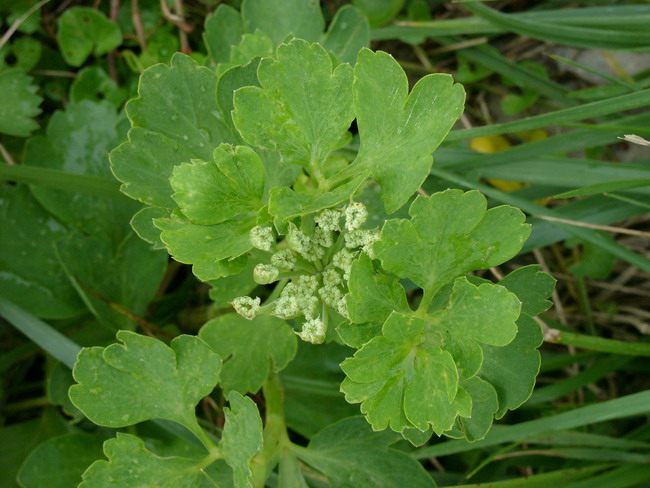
{"x": 49, "y": 339}
{"x": 61, "y": 180}
{"x": 626, "y": 406}
{"x": 559, "y": 117}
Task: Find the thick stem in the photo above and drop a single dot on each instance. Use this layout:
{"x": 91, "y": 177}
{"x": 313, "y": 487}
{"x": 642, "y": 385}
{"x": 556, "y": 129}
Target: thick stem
{"x": 275, "y": 431}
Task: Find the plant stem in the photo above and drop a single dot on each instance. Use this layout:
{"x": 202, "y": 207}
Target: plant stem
{"x": 275, "y": 434}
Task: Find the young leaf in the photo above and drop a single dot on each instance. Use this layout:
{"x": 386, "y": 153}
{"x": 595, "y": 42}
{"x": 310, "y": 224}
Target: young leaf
{"x": 231, "y": 184}
{"x": 130, "y": 463}
{"x": 205, "y": 246}
{"x": 143, "y": 379}
{"x": 397, "y": 127}
{"x": 372, "y": 297}
{"x": 350, "y": 454}
{"x": 450, "y": 233}
{"x": 251, "y": 347}
{"x": 84, "y": 31}
{"x": 285, "y": 203}
{"x": 304, "y": 107}
{"x": 18, "y": 104}
{"x": 242, "y": 437}
{"x": 175, "y": 119}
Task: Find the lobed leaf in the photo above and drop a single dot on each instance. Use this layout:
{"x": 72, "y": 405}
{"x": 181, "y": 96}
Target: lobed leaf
{"x": 440, "y": 368}
{"x": 398, "y": 130}
{"x": 18, "y": 104}
{"x": 212, "y": 192}
{"x": 175, "y": 119}
{"x": 251, "y": 349}
{"x": 84, "y": 31}
{"x": 449, "y": 234}
{"x": 130, "y": 463}
{"x": 242, "y": 438}
{"x": 304, "y": 107}
{"x": 205, "y": 246}
{"x": 142, "y": 379}
{"x": 350, "y": 454}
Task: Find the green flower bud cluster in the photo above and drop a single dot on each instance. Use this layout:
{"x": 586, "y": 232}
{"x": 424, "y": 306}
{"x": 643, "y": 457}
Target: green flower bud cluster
{"x": 316, "y": 262}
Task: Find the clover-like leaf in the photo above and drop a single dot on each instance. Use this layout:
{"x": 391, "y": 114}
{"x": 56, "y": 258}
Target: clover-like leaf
{"x": 18, "y": 104}
{"x": 242, "y": 437}
{"x": 350, "y": 454}
{"x": 437, "y": 368}
{"x": 399, "y": 131}
{"x": 449, "y": 234}
{"x": 251, "y": 348}
{"x": 143, "y": 379}
{"x": 84, "y": 31}
{"x": 409, "y": 375}
{"x": 212, "y": 192}
{"x": 130, "y": 463}
{"x": 304, "y": 107}
{"x": 401, "y": 380}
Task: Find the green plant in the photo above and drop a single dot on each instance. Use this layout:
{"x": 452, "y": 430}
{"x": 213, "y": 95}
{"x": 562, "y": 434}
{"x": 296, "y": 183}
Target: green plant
{"x": 286, "y": 210}
{"x": 291, "y": 168}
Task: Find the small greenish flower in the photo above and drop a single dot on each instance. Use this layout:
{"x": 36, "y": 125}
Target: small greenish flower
{"x": 313, "y": 331}
{"x": 328, "y": 220}
{"x": 265, "y": 274}
{"x": 247, "y": 307}
{"x": 331, "y": 277}
{"x": 283, "y": 259}
{"x": 297, "y": 240}
{"x": 343, "y": 260}
{"x": 355, "y": 215}
{"x": 323, "y": 237}
{"x": 262, "y": 238}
